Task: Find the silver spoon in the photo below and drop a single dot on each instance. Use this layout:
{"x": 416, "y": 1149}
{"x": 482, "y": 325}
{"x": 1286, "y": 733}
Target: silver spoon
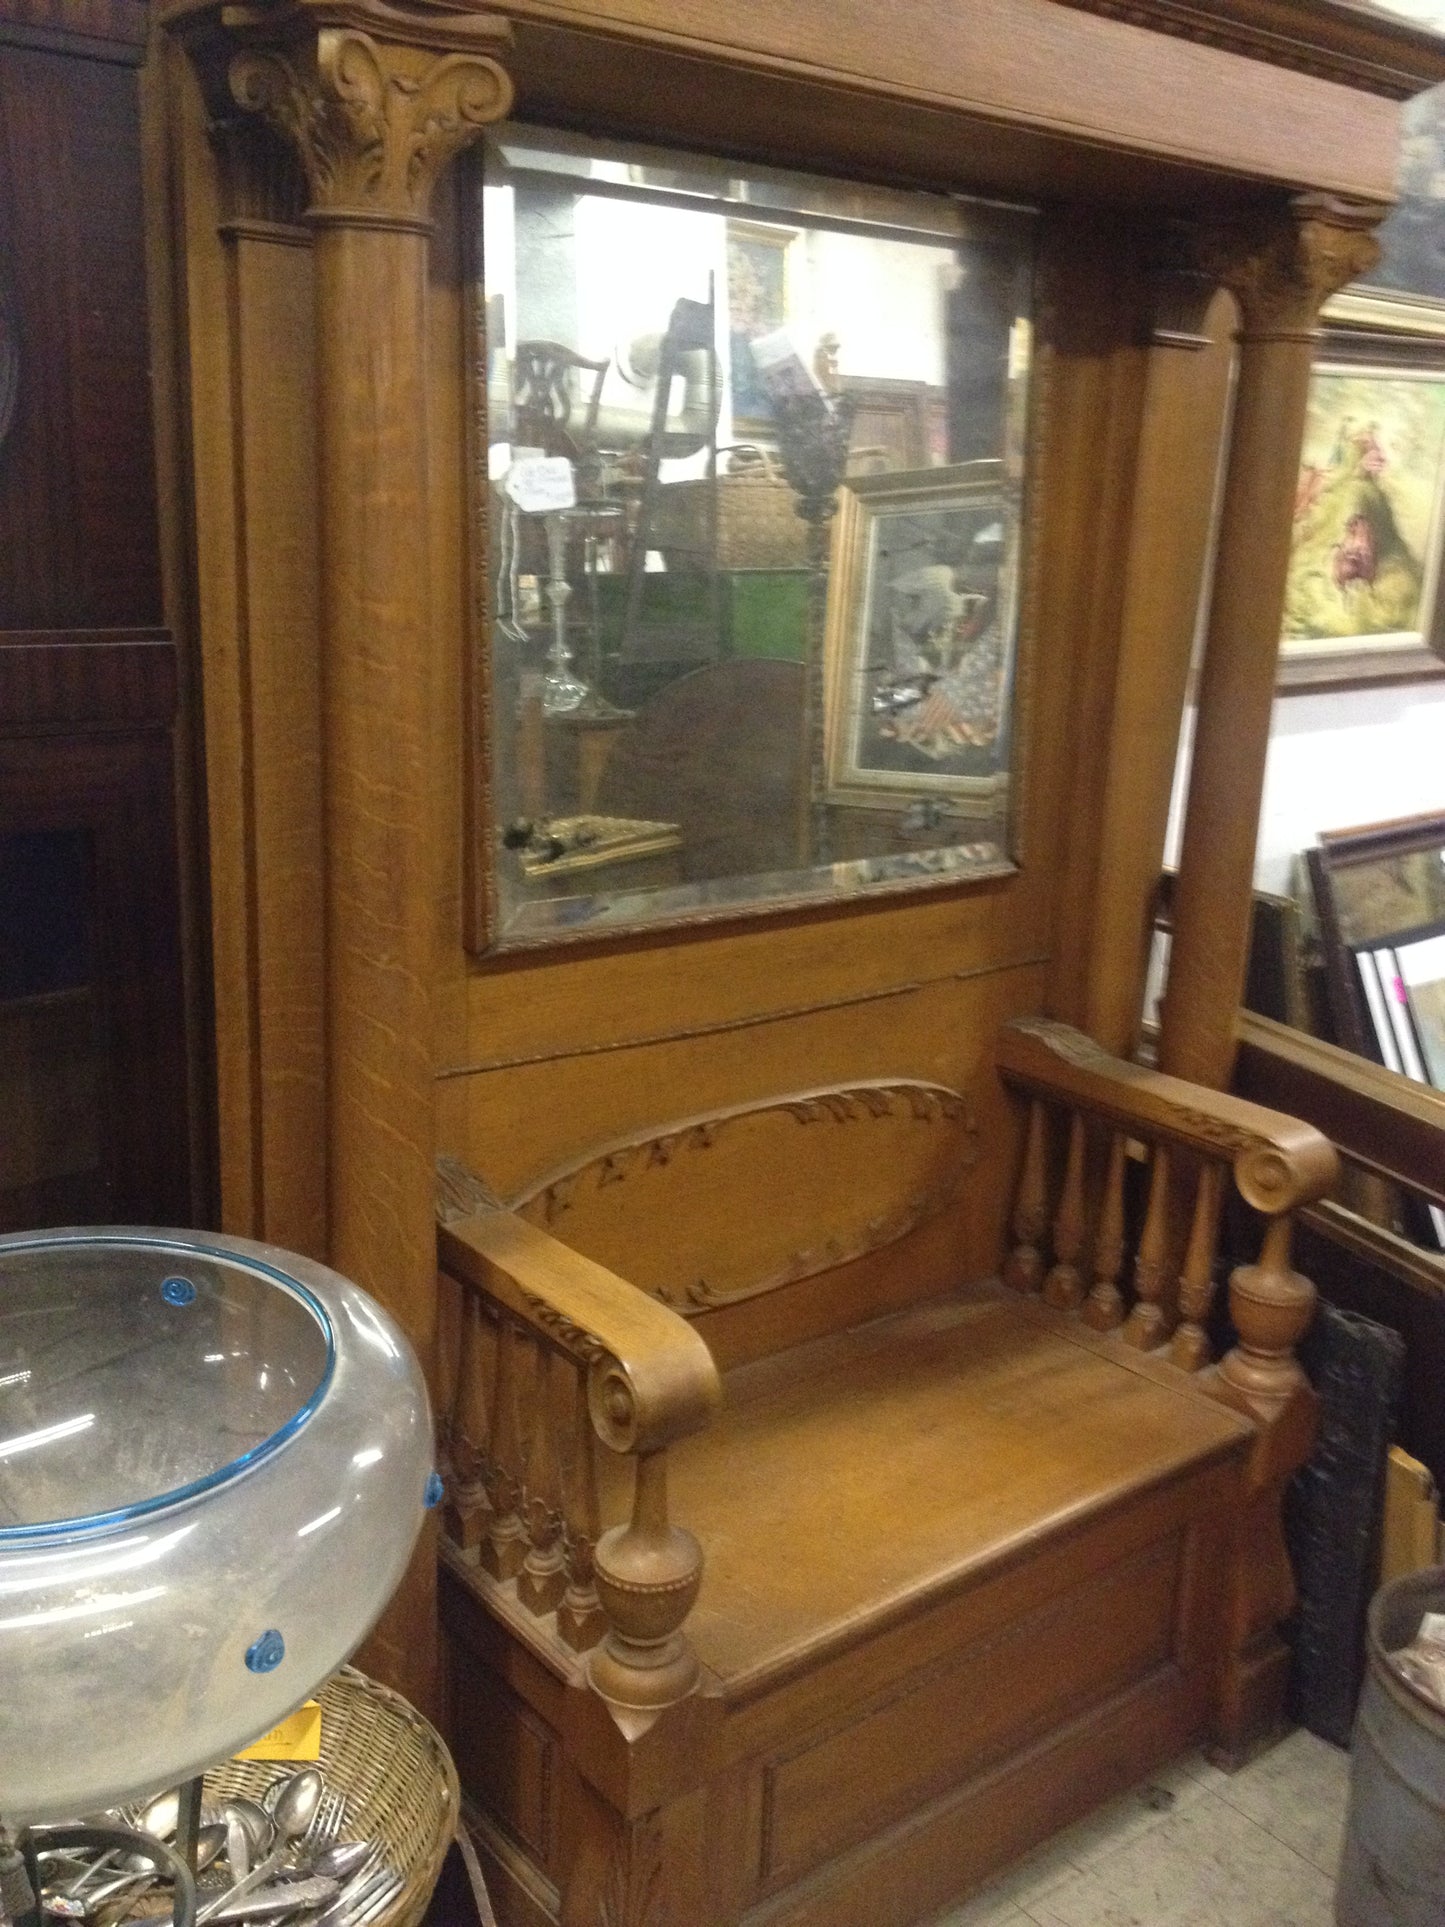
{"x": 257, "y": 1825}
{"x": 293, "y": 1811}
{"x": 337, "y": 1862}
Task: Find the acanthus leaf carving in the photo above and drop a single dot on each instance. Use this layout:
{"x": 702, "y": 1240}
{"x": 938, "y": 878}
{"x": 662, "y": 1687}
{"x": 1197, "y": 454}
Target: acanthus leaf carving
{"x": 373, "y": 121}
{"x": 1282, "y": 270}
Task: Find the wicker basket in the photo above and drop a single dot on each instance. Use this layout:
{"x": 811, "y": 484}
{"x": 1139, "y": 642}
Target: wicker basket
{"x": 758, "y": 526}
{"x": 395, "y": 1775}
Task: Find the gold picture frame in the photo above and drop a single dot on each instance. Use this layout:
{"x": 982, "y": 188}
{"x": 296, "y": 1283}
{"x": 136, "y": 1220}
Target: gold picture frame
{"x": 920, "y": 637}
{"x": 1363, "y": 600}
{"x": 758, "y": 303}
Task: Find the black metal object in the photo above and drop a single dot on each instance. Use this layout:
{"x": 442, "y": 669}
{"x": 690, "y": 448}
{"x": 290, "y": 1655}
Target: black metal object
{"x": 1332, "y": 1512}
{"x": 107, "y": 1839}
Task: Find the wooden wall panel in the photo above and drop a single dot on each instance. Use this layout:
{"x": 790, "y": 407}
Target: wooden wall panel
{"x": 78, "y": 539}
{"x": 243, "y": 290}
{"x": 273, "y": 309}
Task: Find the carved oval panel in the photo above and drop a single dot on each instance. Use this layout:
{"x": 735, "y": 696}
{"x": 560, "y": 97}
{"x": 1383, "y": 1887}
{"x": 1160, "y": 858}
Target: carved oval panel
{"x": 713, "y": 1209}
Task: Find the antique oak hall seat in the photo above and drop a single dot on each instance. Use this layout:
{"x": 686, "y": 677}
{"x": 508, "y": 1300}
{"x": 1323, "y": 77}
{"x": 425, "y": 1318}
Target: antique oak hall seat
{"x": 853, "y": 1467}
{"x": 938, "y": 1572}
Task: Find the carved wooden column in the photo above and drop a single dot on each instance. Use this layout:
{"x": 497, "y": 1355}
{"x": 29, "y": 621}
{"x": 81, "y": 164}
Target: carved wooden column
{"x": 375, "y": 99}
{"x": 1280, "y": 277}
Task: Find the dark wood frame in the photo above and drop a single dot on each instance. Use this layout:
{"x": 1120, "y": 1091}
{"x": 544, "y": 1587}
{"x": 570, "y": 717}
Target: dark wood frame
{"x": 1346, "y": 849}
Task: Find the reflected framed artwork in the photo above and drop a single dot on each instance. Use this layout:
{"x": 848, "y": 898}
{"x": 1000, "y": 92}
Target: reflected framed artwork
{"x": 921, "y": 611}
{"x": 1362, "y": 600}
{"x": 757, "y": 289}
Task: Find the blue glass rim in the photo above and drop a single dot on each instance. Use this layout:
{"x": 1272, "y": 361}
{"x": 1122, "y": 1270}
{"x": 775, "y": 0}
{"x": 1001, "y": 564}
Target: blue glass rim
{"x": 95, "y": 1522}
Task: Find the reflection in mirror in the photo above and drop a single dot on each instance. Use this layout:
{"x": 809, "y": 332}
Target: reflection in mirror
{"x": 755, "y": 461}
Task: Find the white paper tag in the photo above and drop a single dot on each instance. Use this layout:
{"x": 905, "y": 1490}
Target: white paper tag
{"x": 541, "y": 484}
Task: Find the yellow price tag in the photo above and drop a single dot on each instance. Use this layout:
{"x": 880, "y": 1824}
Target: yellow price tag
{"x": 298, "y": 1737}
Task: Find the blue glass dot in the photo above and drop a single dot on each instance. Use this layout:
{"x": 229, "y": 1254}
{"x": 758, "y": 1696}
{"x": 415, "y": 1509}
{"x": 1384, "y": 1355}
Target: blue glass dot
{"x": 266, "y": 1654}
{"x": 178, "y": 1291}
{"x": 435, "y": 1491}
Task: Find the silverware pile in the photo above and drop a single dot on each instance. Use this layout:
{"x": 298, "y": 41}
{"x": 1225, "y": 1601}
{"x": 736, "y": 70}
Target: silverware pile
{"x": 282, "y": 1860}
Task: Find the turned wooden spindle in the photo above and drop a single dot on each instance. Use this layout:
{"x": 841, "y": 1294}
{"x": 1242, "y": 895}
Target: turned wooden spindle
{"x": 647, "y": 1573}
{"x": 1064, "y": 1286}
{"x": 580, "y": 1619}
{"x": 1024, "y": 1267}
{"x": 1145, "y": 1326}
{"x": 467, "y": 1506}
{"x": 451, "y": 1311}
{"x": 1190, "y": 1347}
{"x": 543, "y": 1578}
{"x": 1104, "y": 1307}
{"x": 505, "y": 1545}
{"x": 1271, "y": 1305}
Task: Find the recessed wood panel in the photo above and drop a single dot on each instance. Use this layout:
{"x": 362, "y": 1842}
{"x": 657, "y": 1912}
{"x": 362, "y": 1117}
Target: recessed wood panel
{"x": 79, "y": 546}
{"x": 505, "y": 1755}
{"x": 1079, "y": 1649}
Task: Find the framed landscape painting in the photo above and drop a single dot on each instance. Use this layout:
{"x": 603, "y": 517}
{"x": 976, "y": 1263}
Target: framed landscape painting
{"x": 1362, "y": 600}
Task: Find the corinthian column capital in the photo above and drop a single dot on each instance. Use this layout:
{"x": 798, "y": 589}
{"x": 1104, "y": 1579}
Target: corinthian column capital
{"x": 373, "y": 98}
{"x": 1282, "y": 269}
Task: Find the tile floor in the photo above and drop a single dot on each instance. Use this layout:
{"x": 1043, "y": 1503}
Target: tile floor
{"x": 1193, "y": 1848}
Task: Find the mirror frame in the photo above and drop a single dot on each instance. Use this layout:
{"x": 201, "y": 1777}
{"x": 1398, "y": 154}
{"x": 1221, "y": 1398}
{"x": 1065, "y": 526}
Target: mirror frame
{"x": 483, "y": 936}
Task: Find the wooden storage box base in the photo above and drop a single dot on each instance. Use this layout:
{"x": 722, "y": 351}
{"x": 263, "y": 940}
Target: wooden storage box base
{"x": 870, "y": 1752}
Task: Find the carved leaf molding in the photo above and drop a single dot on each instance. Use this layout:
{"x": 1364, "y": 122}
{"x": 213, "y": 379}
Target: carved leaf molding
{"x": 1198, "y": 1127}
{"x": 374, "y": 124}
{"x": 928, "y": 1104}
{"x": 632, "y": 1892}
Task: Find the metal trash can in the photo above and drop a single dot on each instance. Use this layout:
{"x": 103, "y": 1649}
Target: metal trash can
{"x": 1392, "y": 1870}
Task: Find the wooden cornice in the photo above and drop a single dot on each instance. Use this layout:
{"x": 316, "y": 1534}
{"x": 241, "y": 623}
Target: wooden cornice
{"x": 1342, "y": 40}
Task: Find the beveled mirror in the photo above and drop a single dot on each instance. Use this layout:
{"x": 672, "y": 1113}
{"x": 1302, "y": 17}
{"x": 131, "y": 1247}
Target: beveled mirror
{"x": 751, "y": 454}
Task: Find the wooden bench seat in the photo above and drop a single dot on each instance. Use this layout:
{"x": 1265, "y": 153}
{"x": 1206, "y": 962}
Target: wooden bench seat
{"x": 876, "y": 1576}
{"x": 852, "y": 1480}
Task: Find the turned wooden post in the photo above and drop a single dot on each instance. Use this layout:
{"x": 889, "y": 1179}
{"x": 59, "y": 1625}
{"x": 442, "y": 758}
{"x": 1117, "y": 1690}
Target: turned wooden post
{"x": 505, "y": 1545}
{"x": 1271, "y": 1305}
{"x": 1064, "y": 1286}
{"x": 1190, "y": 1347}
{"x": 580, "y": 1619}
{"x": 647, "y": 1573}
{"x": 1104, "y": 1306}
{"x": 543, "y": 1578}
{"x": 1280, "y": 275}
{"x": 466, "y": 1514}
{"x": 1144, "y": 1326}
{"x": 1024, "y": 1267}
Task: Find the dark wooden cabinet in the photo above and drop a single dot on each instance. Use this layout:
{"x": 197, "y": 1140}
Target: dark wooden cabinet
{"x": 96, "y": 1103}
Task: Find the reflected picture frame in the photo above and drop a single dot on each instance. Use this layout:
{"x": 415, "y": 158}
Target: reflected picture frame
{"x": 914, "y": 600}
{"x": 1363, "y": 601}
